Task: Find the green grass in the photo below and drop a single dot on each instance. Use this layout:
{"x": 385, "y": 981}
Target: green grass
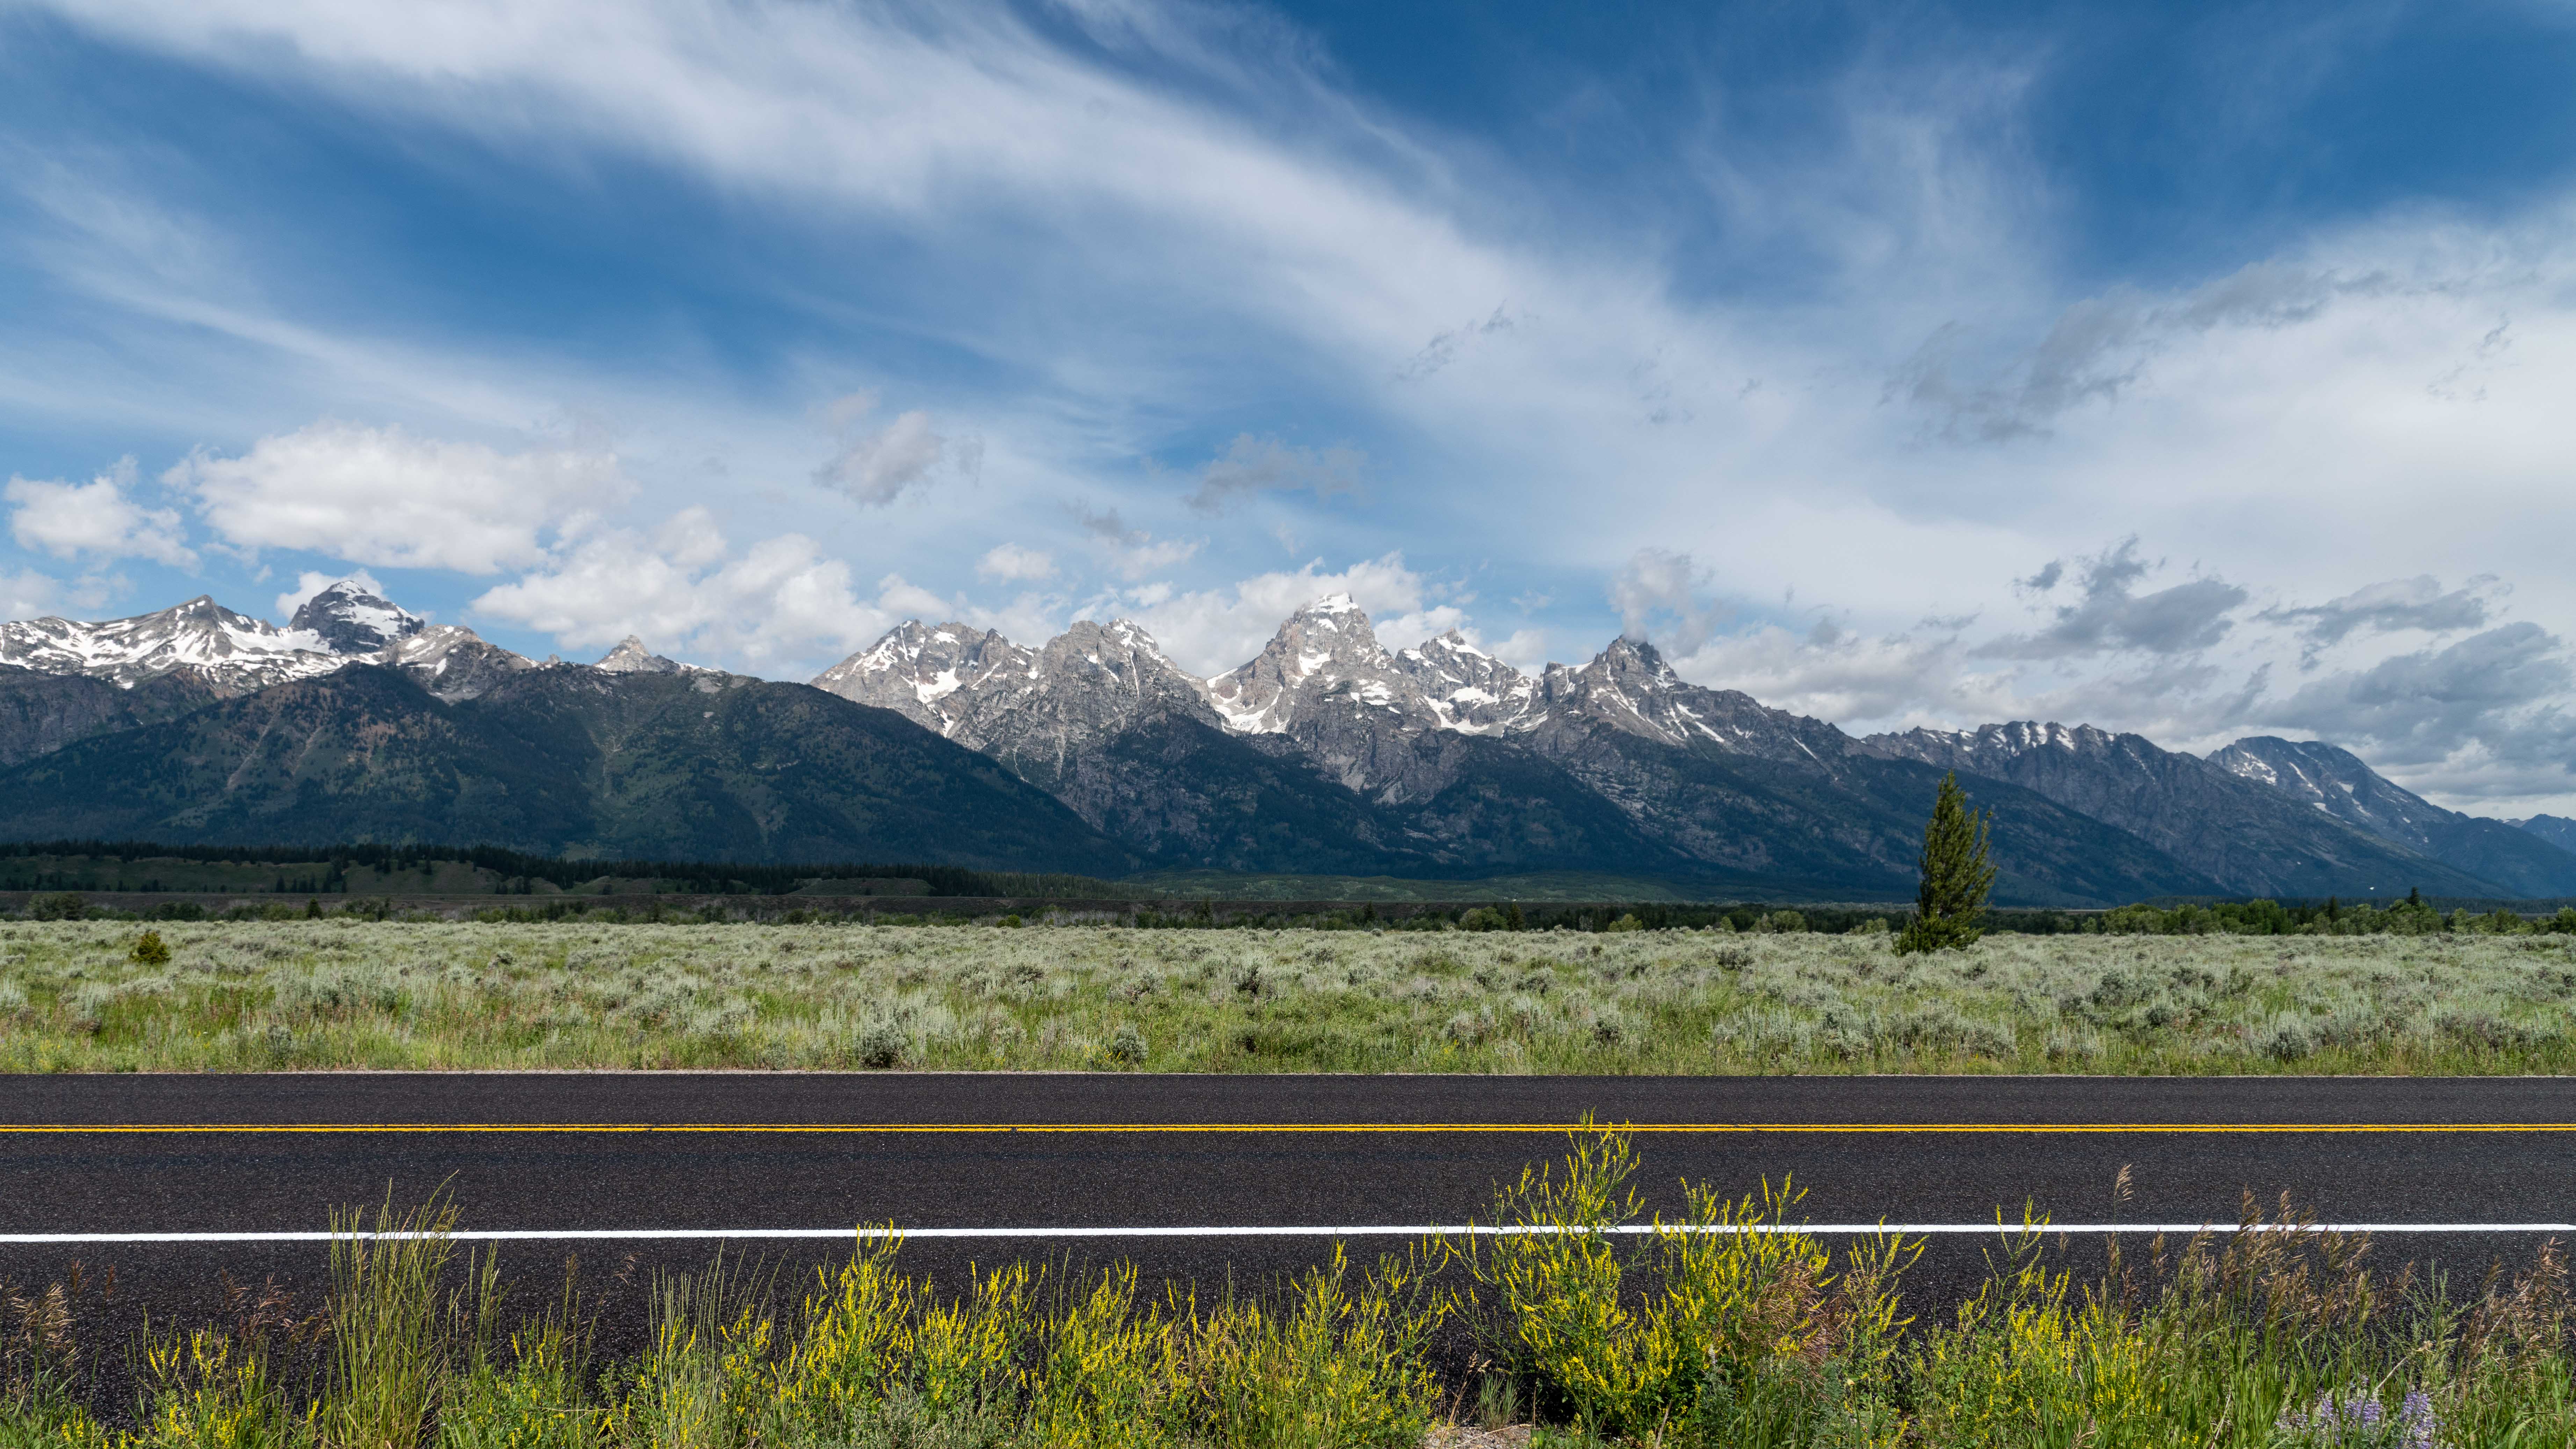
{"x": 1693, "y": 1335}
{"x": 253, "y": 996}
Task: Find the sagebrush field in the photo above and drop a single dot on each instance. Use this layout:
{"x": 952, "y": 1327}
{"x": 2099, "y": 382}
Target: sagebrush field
{"x": 335, "y": 993}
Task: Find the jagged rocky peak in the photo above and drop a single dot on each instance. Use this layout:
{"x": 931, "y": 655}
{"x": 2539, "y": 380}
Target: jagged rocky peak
{"x": 2330, "y": 778}
{"x": 1089, "y": 682}
{"x": 232, "y": 652}
{"x": 1325, "y": 657}
{"x": 1628, "y": 686}
{"x": 1628, "y": 675}
{"x": 929, "y": 672}
{"x": 1121, "y": 654}
{"x": 350, "y": 618}
{"x": 2558, "y": 830}
{"x": 1635, "y": 664}
{"x": 1474, "y": 691}
{"x": 452, "y": 661}
{"x": 449, "y": 660}
{"x": 1992, "y": 743}
{"x": 1030, "y": 708}
{"x": 631, "y": 657}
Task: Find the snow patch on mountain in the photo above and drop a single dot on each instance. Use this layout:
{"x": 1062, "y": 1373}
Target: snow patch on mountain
{"x": 2334, "y": 781}
{"x": 233, "y": 652}
{"x": 1323, "y": 670}
{"x": 932, "y": 674}
{"x": 1472, "y": 691}
{"x": 631, "y": 657}
{"x": 1994, "y": 743}
{"x": 350, "y": 618}
{"x": 345, "y": 623}
{"x": 452, "y": 661}
{"x": 1325, "y": 657}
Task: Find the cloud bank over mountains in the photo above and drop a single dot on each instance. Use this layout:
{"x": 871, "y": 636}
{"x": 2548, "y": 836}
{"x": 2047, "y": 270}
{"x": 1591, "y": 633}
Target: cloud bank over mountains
{"x": 1860, "y": 365}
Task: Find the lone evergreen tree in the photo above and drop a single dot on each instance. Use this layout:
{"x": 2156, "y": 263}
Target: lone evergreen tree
{"x": 1956, "y": 875}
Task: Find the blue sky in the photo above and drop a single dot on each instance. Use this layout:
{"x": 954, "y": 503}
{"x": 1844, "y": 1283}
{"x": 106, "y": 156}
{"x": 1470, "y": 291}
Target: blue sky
{"x": 2194, "y": 370}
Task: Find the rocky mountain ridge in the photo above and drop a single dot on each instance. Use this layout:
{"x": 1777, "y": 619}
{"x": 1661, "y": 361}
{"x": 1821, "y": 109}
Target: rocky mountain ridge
{"x": 1442, "y": 759}
{"x": 1398, "y": 728}
{"x": 2336, "y": 782}
{"x": 230, "y": 653}
{"x": 1325, "y": 753}
{"x": 2558, "y": 830}
{"x": 1323, "y": 671}
{"x": 2244, "y": 831}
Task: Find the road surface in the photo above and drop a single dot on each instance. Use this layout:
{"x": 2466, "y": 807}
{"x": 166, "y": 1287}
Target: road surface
{"x": 180, "y": 1181}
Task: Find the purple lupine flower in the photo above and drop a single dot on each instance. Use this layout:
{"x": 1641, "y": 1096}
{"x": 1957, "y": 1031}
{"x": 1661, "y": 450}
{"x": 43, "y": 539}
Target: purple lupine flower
{"x": 2359, "y": 1421}
{"x": 2416, "y": 1414}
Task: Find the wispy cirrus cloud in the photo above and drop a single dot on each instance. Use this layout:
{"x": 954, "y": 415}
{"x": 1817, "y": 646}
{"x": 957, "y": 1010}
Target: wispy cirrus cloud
{"x": 681, "y": 586}
{"x": 1250, "y": 466}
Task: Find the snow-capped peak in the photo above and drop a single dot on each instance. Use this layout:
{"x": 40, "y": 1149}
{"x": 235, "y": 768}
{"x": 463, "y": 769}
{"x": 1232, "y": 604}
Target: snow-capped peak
{"x": 452, "y": 661}
{"x": 1629, "y": 687}
{"x": 350, "y": 618}
{"x": 233, "y": 652}
{"x": 2012, "y": 739}
{"x": 2336, "y": 781}
{"x": 1639, "y": 662}
{"x": 1474, "y": 692}
{"x": 1325, "y": 657}
{"x": 916, "y": 668}
{"x": 1134, "y": 636}
{"x": 1451, "y": 642}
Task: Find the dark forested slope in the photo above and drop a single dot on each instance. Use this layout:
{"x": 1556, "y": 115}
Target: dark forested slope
{"x": 562, "y": 760}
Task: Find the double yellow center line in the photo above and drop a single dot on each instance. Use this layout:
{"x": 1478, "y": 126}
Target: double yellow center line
{"x": 1285, "y": 1128}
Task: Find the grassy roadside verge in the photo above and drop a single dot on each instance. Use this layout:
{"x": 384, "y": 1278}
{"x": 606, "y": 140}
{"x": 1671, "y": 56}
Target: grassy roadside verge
{"x": 1694, "y": 1333}
{"x": 351, "y": 993}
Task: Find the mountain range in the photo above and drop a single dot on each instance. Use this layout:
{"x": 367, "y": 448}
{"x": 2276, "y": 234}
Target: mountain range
{"x": 1327, "y": 753}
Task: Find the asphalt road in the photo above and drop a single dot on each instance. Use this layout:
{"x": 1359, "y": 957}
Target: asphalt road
{"x": 746, "y": 1154}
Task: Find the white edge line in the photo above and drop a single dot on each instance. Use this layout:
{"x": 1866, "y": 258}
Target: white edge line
{"x": 1414, "y": 1230}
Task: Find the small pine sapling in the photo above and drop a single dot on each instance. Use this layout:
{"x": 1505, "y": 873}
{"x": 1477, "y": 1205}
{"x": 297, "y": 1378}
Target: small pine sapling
{"x": 1951, "y": 903}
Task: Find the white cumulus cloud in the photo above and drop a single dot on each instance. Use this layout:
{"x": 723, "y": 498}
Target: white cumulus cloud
{"x": 1009, "y": 562}
{"x": 1132, "y": 553}
{"x": 1658, "y": 598}
{"x": 385, "y": 497}
{"x": 1211, "y": 631}
{"x": 778, "y": 604}
{"x": 99, "y": 518}
{"x": 27, "y": 594}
